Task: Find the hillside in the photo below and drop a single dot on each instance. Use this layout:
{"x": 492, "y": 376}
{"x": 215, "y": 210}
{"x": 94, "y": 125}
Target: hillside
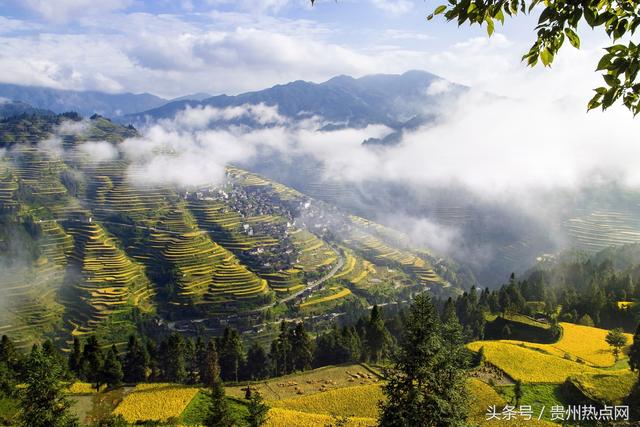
{"x": 109, "y": 254}
{"x": 394, "y": 100}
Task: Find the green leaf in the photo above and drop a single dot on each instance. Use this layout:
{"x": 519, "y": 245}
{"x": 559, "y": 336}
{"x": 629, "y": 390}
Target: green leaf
{"x": 490, "y": 27}
{"x": 605, "y": 62}
{"x": 573, "y": 37}
{"x": 439, "y": 9}
{"x": 546, "y": 56}
{"x": 499, "y": 16}
{"x": 590, "y": 17}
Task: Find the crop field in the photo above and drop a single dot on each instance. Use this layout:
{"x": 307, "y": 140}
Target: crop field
{"x": 307, "y": 383}
{"x": 482, "y": 396}
{"x": 314, "y": 253}
{"x": 531, "y": 365}
{"x": 357, "y": 401}
{"x": 155, "y": 402}
{"x": 279, "y": 417}
{"x": 597, "y": 230}
{"x": 582, "y": 343}
{"x": 332, "y": 293}
{"x": 612, "y": 387}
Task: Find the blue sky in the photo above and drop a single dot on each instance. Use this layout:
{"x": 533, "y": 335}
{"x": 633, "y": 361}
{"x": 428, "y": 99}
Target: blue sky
{"x": 172, "y": 48}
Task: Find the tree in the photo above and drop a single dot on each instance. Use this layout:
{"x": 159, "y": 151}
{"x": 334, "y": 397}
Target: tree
{"x": 557, "y": 22}
{"x": 634, "y": 353}
{"x": 377, "y": 337}
{"x": 136, "y": 361}
{"x": 517, "y": 392}
{"x": 112, "y": 369}
{"x": 301, "y": 349}
{"x": 616, "y": 339}
{"x": 426, "y": 384}
{"x": 218, "y": 414}
{"x": 257, "y": 362}
{"x": 92, "y": 359}
{"x": 43, "y": 402}
{"x": 75, "y": 358}
{"x": 258, "y": 410}
{"x": 172, "y": 352}
{"x": 210, "y": 368}
{"x": 231, "y": 355}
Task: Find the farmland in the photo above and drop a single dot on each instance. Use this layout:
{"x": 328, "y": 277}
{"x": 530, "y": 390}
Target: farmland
{"x": 108, "y": 249}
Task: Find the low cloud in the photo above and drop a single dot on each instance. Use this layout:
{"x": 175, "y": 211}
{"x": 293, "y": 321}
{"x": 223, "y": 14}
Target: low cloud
{"x": 98, "y": 151}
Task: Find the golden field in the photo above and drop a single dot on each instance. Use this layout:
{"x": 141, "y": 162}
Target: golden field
{"x": 528, "y": 365}
{"x": 583, "y": 343}
{"x": 155, "y": 402}
{"x": 356, "y": 401}
{"x": 482, "y": 396}
{"x": 279, "y": 417}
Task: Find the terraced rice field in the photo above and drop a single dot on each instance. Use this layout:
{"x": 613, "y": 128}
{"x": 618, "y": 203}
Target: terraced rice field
{"x": 333, "y": 293}
{"x": 314, "y": 252}
{"x": 381, "y": 253}
{"x": 108, "y": 279}
{"x": 155, "y": 402}
{"x": 205, "y": 272}
{"x": 529, "y": 365}
{"x": 582, "y": 343}
{"x": 600, "y": 229}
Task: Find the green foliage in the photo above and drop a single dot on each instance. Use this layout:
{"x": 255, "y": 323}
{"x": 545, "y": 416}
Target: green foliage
{"x": 426, "y": 385}
{"x": 517, "y": 392}
{"x": 112, "y": 369}
{"x": 377, "y": 336}
{"x": 218, "y": 414}
{"x": 634, "y": 352}
{"x": 616, "y": 339}
{"x": 257, "y": 410}
{"x": 557, "y": 22}
{"x": 43, "y": 402}
{"x": 136, "y": 361}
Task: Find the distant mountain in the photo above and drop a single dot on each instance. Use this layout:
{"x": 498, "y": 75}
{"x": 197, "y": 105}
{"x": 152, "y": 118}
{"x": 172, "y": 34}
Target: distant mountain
{"x": 192, "y": 97}
{"x": 86, "y": 103}
{"x": 10, "y": 108}
{"x": 390, "y": 99}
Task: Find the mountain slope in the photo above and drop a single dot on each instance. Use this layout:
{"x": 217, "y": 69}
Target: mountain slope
{"x": 84, "y": 102}
{"x": 86, "y": 248}
{"x": 387, "y": 99}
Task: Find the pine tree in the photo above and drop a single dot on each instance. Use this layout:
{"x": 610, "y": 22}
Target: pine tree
{"x": 112, "y": 369}
{"x": 377, "y": 336}
{"x": 301, "y": 349}
{"x": 173, "y": 358}
{"x": 210, "y": 368}
{"x": 426, "y": 384}
{"x": 92, "y": 359}
{"x": 634, "y": 352}
{"x": 43, "y": 402}
{"x": 218, "y": 414}
{"x": 231, "y": 355}
{"x": 75, "y": 358}
{"x": 136, "y": 361}
{"x": 258, "y": 410}
{"x": 257, "y": 362}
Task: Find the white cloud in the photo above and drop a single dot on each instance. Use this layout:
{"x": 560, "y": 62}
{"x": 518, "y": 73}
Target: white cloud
{"x": 397, "y": 7}
{"x": 98, "y": 151}
{"x": 61, "y": 11}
